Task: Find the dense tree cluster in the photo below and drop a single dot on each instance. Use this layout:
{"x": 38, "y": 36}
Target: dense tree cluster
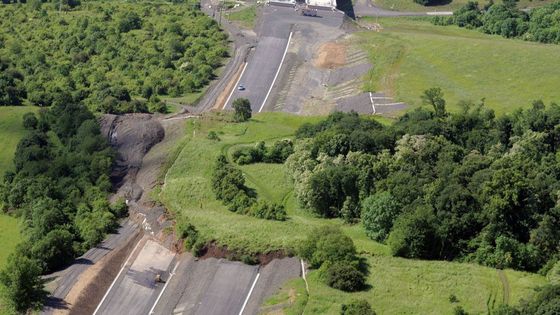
{"x": 114, "y": 57}
{"x": 277, "y": 153}
{"x": 505, "y": 19}
{"x": 59, "y": 189}
{"x": 334, "y": 253}
{"x": 436, "y": 185}
{"x": 228, "y": 183}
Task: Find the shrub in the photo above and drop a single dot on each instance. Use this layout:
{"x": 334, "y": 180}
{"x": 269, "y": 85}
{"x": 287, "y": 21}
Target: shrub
{"x": 268, "y": 210}
{"x": 357, "y": 307}
{"x": 344, "y": 276}
{"x": 327, "y": 244}
{"x": 212, "y": 135}
{"x": 30, "y": 121}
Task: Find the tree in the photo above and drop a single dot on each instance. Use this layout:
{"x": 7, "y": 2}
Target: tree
{"x": 29, "y": 121}
{"x": 378, "y": 213}
{"x": 243, "y": 111}
{"x": 434, "y": 97}
{"x": 414, "y": 235}
{"x": 21, "y": 277}
{"x": 357, "y": 307}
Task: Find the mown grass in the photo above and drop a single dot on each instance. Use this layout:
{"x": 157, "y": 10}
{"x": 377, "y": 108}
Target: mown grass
{"x": 11, "y": 130}
{"x": 412, "y": 55}
{"x": 404, "y": 286}
{"x": 245, "y": 17}
{"x": 398, "y": 286}
{"x": 410, "y": 5}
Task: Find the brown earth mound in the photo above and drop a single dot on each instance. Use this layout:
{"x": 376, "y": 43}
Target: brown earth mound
{"x": 330, "y": 55}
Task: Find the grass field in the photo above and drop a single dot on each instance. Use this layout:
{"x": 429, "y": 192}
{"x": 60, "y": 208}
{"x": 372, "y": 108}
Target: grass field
{"x": 245, "y": 17}
{"x": 410, "y": 5}
{"x": 412, "y": 55}
{"x": 11, "y": 130}
{"x": 398, "y": 286}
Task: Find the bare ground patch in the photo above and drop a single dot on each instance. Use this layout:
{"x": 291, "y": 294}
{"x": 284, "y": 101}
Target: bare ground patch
{"x": 330, "y": 55}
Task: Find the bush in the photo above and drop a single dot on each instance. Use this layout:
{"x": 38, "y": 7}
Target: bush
{"x": 269, "y": 211}
{"x": 228, "y": 183}
{"x": 30, "y": 121}
{"x": 278, "y": 153}
{"x": 327, "y": 244}
{"x": 212, "y": 135}
{"x": 357, "y": 307}
{"x": 344, "y": 276}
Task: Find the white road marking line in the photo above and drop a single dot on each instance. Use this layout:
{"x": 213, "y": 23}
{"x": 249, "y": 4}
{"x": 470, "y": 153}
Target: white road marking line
{"x": 372, "y": 106}
{"x": 277, "y": 72}
{"x": 236, "y": 85}
{"x": 116, "y": 278}
{"x": 164, "y": 287}
{"x": 380, "y": 97}
{"x": 249, "y": 294}
{"x": 391, "y": 104}
{"x": 303, "y": 276}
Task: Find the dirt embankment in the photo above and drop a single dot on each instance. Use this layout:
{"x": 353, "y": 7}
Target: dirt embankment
{"x": 330, "y": 55}
{"x": 213, "y": 250}
{"x": 132, "y": 136}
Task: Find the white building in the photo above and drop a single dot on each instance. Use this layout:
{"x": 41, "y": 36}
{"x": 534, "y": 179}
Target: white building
{"x": 322, "y": 3}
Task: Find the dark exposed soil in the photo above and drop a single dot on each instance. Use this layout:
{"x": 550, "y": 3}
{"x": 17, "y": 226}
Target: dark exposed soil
{"x": 213, "y": 250}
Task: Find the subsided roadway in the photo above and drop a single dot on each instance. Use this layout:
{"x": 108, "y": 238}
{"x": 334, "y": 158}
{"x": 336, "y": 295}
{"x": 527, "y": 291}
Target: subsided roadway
{"x": 135, "y": 289}
{"x": 190, "y": 286}
{"x": 220, "y": 287}
{"x": 67, "y": 278}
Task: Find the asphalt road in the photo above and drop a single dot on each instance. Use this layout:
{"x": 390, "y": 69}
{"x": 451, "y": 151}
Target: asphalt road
{"x": 263, "y": 64}
{"x": 135, "y": 290}
{"x": 67, "y": 278}
{"x": 207, "y": 287}
{"x": 221, "y": 287}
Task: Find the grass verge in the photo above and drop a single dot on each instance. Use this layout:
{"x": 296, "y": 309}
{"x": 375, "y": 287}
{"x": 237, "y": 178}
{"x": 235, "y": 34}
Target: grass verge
{"x": 412, "y": 55}
{"x": 245, "y": 17}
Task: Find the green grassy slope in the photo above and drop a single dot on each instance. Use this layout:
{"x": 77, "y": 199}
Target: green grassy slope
{"x": 411, "y": 55}
{"x": 410, "y": 5}
{"x": 11, "y": 130}
{"x": 398, "y": 286}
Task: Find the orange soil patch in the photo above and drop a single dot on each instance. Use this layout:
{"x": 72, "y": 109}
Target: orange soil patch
{"x": 330, "y": 55}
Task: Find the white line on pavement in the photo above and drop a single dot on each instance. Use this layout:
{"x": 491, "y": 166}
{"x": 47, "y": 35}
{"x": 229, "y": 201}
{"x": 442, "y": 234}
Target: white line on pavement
{"x": 249, "y": 294}
{"x": 116, "y": 278}
{"x": 391, "y": 104}
{"x": 277, "y": 72}
{"x": 235, "y": 87}
{"x": 372, "y": 104}
{"x": 303, "y": 276}
{"x": 164, "y": 287}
